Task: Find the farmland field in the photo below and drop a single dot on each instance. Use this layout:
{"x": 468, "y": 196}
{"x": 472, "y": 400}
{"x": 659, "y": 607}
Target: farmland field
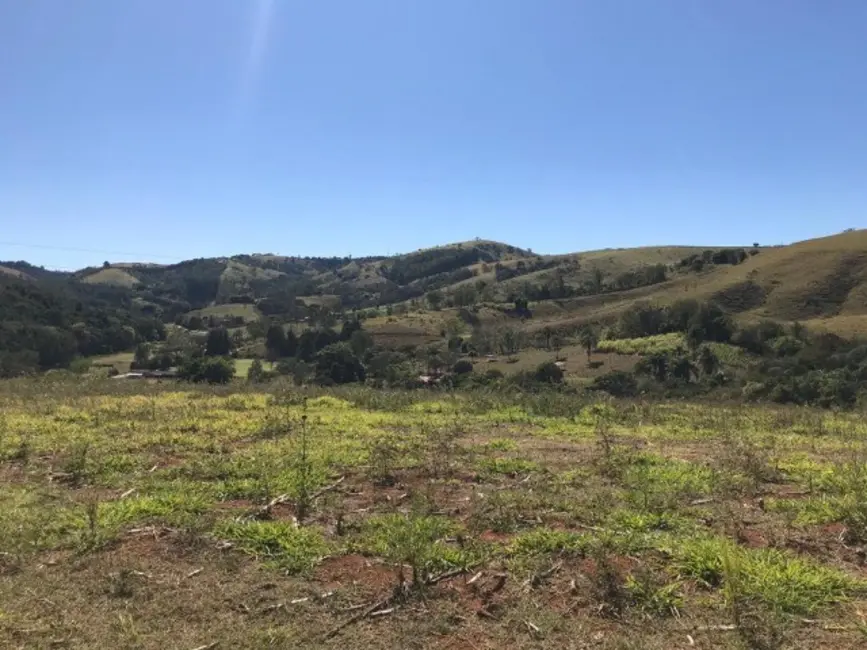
{"x": 140, "y": 516}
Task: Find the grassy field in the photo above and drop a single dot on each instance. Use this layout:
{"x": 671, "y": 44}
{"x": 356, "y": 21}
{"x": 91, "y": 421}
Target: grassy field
{"x": 247, "y": 312}
{"x": 572, "y": 357}
{"x": 120, "y": 360}
{"x": 136, "y": 516}
{"x": 113, "y": 276}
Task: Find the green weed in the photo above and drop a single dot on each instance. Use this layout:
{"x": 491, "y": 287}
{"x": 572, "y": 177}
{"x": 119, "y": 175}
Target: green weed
{"x": 417, "y": 541}
{"x": 653, "y": 596}
{"x": 278, "y": 543}
{"x": 508, "y": 466}
{"x": 544, "y": 541}
{"x": 781, "y": 581}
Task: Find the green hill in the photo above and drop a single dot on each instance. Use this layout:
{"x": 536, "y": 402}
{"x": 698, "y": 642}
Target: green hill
{"x": 412, "y": 297}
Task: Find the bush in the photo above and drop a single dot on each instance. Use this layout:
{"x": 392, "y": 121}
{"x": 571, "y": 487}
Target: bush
{"x": 462, "y": 367}
{"x": 213, "y": 370}
{"x": 549, "y": 373}
{"x": 616, "y": 383}
{"x": 338, "y": 364}
{"x": 256, "y": 374}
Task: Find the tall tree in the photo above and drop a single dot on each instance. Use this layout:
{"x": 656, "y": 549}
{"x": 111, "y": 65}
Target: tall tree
{"x": 219, "y": 344}
{"x": 290, "y": 347}
{"x": 275, "y": 342}
{"x": 588, "y": 339}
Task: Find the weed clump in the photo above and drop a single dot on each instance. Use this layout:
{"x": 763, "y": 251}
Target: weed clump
{"x": 278, "y": 543}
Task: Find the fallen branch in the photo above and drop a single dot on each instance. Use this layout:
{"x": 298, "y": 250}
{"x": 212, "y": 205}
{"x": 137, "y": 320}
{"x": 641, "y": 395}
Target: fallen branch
{"x": 209, "y": 646}
{"x": 265, "y": 511}
{"x": 699, "y": 502}
{"x": 448, "y": 575}
{"x": 383, "y": 612}
{"x": 532, "y": 627}
{"x": 193, "y": 574}
{"x": 352, "y": 608}
{"x": 595, "y": 529}
{"x": 539, "y": 578}
{"x": 318, "y": 494}
{"x": 363, "y": 614}
{"x": 127, "y": 493}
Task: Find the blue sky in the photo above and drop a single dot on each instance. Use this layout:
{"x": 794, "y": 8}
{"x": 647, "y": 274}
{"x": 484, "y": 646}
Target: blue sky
{"x": 170, "y": 129}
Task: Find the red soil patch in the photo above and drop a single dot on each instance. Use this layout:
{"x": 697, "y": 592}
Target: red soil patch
{"x": 621, "y": 564}
{"x": 752, "y": 538}
{"x": 355, "y": 570}
{"x": 834, "y": 529}
{"x": 491, "y": 536}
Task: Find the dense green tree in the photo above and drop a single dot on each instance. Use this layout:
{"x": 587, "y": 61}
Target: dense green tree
{"x": 213, "y": 370}
{"x": 218, "y": 344}
{"x": 708, "y": 361}
{"x": 360, "y": 342}
{"x": 195, "y": 323}
{"x": 434, "y": 299}
{"x": 307, "y": 346}
{"x": 465, "y": 295}
{"x": 256, "y": 373}
{"x": 349, "y": 328}
{"x": 275, "y": 342}
{"x": 142, "y": 356}
{"x": 338, "y": 364}
{"x": 290, "y": 346}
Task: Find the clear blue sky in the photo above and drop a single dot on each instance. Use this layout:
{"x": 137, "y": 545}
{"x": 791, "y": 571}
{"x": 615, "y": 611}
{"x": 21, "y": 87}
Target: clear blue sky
{"x": 170, "y": 129}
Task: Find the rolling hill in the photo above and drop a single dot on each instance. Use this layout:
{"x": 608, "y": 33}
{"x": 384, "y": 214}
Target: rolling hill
{"x": 821, "y": 282}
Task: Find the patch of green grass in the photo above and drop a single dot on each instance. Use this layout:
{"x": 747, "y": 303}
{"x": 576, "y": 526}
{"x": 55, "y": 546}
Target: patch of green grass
{"x": 120, "y": 360}
{"x": 644, "y": 345}
{"x": 782, "y": 581}
{"x": 36, "y": 520}
{"x": 112, "y": 276}
{"x": 541, "y": 541}
{"x": 508, "y": 466}
{"x": 242, "y": 366}
{"x": 169, "y": 508}
{"x": 500, "y": 444}
{"x": 630, "y": 521}
{"x": 729, "y": 355}
{"x": 654, "y": 597}
{"x": 659, "y": 484}
{"x": 279, "y": 543}
{"x": 247, "y": 312}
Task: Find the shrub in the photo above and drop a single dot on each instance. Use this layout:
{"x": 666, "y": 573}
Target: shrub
{"x": 616, "y": 383}
{"x": 256, "y": 373}
{"x": 463, "y": 367}
{"x": 280, "y": 543}
{"x": 549, "y": 373}
{"x": 338, "y": 364}
{"x": 213, "y": 370}
{"x": 411, "y": 540}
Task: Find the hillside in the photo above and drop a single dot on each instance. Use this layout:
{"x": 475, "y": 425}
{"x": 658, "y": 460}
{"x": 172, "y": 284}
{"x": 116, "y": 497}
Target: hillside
{"x": 820, "y": 282}
{"x": 411, "y": 298}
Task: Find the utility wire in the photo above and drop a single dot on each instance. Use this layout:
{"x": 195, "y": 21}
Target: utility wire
{"x": 71, "y": 249}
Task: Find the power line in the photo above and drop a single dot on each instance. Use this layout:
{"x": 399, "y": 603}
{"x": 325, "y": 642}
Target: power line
{"x": 71, "y": 249}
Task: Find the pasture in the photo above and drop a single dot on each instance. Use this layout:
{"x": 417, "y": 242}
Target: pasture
{"x": 169, "y": 516}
